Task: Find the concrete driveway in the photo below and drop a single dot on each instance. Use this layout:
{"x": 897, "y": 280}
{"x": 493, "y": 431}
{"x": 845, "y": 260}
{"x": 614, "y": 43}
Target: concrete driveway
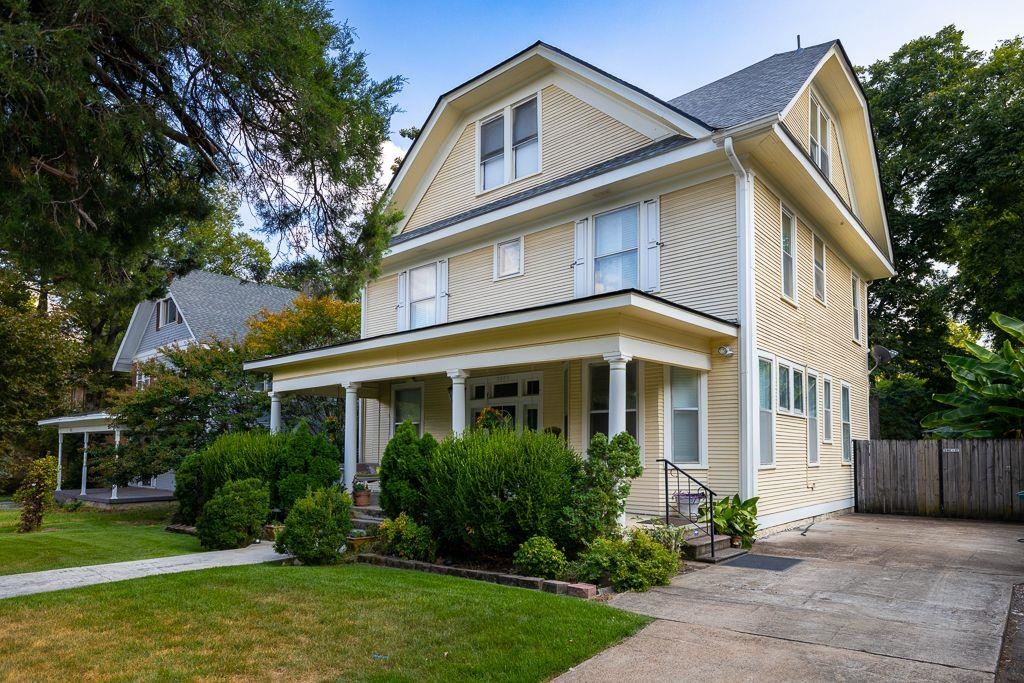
{"x": 858, "y": 597}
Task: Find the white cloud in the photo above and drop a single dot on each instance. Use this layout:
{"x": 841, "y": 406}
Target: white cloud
{"x": 388, "y": 153}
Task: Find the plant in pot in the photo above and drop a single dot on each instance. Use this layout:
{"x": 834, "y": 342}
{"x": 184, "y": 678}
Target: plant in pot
{"x": 733, "y": 517}
{"x": 360, "y": 494}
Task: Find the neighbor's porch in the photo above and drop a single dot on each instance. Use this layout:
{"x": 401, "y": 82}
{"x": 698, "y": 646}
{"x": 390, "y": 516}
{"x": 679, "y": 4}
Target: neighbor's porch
{"x": 623, "y": 362}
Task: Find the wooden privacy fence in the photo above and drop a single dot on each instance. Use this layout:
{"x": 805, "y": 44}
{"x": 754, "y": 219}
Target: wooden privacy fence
{"x": 977, "y": 479}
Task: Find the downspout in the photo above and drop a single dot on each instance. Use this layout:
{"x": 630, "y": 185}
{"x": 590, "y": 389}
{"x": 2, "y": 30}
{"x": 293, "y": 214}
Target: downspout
{"x": 749, "y": 427}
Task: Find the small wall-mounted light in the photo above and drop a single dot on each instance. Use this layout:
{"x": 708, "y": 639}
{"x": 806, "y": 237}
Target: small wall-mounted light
{"x": 725, "y": 351}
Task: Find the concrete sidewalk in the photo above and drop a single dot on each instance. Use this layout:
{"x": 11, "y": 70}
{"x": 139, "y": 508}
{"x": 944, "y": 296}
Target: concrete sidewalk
{"x": 76, "y": 577}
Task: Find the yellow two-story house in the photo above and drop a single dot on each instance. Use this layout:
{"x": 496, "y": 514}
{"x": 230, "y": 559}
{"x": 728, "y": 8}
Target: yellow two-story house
{"x": 586, "y": 257}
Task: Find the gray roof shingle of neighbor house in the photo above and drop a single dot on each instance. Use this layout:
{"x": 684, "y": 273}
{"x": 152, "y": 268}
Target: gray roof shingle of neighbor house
{"x": 219, "y": 305}
{"x": 759, "y": 90}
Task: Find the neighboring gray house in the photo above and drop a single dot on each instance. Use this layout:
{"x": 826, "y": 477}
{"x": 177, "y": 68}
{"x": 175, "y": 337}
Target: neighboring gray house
{"x": 198, "y": 306}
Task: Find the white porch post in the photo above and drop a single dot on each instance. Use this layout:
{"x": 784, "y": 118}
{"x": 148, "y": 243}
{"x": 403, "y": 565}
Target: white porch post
{"x": 458, "y": 378}
{"x": 60, "y": 458}
{"x": 85, "y": 460}
{"x": 616, "y": 392}
{"x": 275, "y": 412}
{"x": 351, "y": 432}
{"x": 117, "y": 447}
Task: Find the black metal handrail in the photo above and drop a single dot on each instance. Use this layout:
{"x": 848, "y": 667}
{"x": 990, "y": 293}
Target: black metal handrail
{"x": 703, "y": 491}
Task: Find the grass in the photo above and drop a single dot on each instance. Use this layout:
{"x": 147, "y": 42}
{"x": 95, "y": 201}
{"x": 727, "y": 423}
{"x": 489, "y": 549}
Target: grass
{"x": 89, "y": 536}
{"x": 350, "y": 622}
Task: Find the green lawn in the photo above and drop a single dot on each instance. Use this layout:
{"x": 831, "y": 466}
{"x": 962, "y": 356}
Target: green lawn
{"x": 88, "y": 536}
{"x": 350, "y": 622}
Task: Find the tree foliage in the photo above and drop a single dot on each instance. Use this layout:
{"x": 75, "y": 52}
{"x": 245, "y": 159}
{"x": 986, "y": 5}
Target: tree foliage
{"x": 35, "y": 495}
{"x": 988, "y": 401}
{"x": 308, "y": 323}
{"x": 120, "y": 114}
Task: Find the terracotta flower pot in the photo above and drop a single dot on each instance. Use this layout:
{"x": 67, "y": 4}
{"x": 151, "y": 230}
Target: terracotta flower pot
{"x": 735, "y": 541}
{"x": 361, "y": 498}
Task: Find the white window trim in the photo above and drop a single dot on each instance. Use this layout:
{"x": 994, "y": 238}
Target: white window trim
{"x": 791, "y": 368}
{"x": 856, "y": 309}
{"x": 828, "y": 133}
{"x": 440, "y": 293}
{"x": 783, "y": 212}
{"x": 394, "y": 403}
{"x": 506, "y": 110}
{"x": 702, "y": 418}
{"x": 161, "y": 311}
{"x": 642, "y": 202}
{"x": 774, "y": 394}
{"x": 522, "y": 259}
{"x": 849, "y": 391}
{"x": 585, "y": 407}
{"x": 827, "y": 379}
{"x": 808, "y": 373}
{"x": 521, "y": 400}
{"x": 815, "y": 240}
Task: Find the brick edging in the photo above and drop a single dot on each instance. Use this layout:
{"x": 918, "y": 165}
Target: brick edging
{"x": 585, "y": 591}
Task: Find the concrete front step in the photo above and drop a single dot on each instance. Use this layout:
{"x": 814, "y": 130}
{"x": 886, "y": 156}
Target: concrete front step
{"x": 368, "y": 511}
{"x": 700, "y": 546}
{"x": 365, "y": 522}
{"x": 723, "y": 555}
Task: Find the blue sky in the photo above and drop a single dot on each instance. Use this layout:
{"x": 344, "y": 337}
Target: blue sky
{"x": 666, "y": 48}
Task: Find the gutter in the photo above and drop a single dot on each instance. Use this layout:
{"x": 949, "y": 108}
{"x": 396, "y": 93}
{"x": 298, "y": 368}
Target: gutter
{"x": 749, "y": 436}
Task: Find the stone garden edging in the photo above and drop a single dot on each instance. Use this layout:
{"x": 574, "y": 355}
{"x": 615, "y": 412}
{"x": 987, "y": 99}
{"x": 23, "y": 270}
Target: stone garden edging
{"x": 584, "y": 591}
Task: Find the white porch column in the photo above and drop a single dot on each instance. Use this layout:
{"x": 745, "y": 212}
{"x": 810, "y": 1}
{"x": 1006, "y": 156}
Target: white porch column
{"x": 458, "y": 378}
{"x": 117, "y": 447}
{"x": 85, "y": 460}
{"x": 275, "y": 412}
{"x": 351, "y": 432}
{"x": 60, "y": 458}
{"x": 616, "y": 392}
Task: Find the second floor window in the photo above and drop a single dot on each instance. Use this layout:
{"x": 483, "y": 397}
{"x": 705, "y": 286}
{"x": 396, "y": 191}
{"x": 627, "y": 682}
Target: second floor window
{"x": 819, "y": 269}
{"x": 422, "y": 296}
{"x": 616, "y": 258}
{"x": 820, "y": 136}
{"x": 509, "y": 152}
{"x": 788, "y": 255}
{"x": 855, "y": 287}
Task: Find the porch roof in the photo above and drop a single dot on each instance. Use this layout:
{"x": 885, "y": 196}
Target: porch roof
{"x": 98, "y": 422}
{"x": 627, "y": 322}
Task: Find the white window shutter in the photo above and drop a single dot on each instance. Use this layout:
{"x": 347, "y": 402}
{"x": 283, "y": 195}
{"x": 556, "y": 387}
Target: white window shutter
{"x": 579, "y": 264}
{"x": 442, "y": 291}
{"x": 652, "y": 270}
{"x": 403, "y": 292}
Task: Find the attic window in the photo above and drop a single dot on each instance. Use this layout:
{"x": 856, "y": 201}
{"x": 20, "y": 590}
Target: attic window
{"x": 509, "y": 151}
{"x": 168, "y": 312}
{"x": 820, "y": 136}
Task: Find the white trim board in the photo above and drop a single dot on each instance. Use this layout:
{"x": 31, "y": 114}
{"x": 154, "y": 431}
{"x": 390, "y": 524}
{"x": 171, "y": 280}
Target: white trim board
{"x": 786, "y": 516}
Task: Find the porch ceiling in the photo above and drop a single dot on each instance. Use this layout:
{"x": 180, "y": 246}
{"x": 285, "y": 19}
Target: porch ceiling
{"x": 630, "y": 323}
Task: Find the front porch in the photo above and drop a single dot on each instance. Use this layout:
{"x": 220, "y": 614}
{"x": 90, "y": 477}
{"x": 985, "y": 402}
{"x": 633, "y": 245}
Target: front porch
{"x": 125, "y": 495}
{"x": 625, "y": 361}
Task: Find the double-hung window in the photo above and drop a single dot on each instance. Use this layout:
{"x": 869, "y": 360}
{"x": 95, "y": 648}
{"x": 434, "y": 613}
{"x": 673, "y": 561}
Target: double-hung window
{"x": 798, "y": 391}
{"x": 820, "y": 136}
{"x": 509, "y": 152}
{"x": 598, "y": 379}
{"x": 826, "y": 403}
{"x": 767, "y": 413}
{"x": 167, "y": 313}
{"x": 684, "y": 423}
{"x": 407, "y": 401}
{"x": 422, "y": 296}
{"x": 855, "y": 289}
{"x": 819, "y": 269}
{"x": 847, "y": 427}
{"x": 813, "y": 446}
{"x": 785, "y": 387}
{"x": 616, "y": 252}
{"x": 788, "y": 255}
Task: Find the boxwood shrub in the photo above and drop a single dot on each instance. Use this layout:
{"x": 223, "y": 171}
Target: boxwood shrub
{"x": 632, "y": 564}
{"x": 233, "y": 517}
{"x": 316, "y": 528}
{"x": 539, "y": 556}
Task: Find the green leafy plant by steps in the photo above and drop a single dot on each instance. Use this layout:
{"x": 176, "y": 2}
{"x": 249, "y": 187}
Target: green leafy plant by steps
{"x": 733, "y": 517}
{"x": 988, "y": 401}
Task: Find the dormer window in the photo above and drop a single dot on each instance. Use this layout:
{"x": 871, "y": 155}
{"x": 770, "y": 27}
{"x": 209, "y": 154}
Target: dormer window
{"x": 820, "y": 136}
{"x": 509, "y": 151}
{"x": 167, "y": 313}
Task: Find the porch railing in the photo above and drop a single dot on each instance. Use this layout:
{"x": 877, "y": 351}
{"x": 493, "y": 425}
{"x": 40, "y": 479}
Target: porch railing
{"x": 688, "y": 496}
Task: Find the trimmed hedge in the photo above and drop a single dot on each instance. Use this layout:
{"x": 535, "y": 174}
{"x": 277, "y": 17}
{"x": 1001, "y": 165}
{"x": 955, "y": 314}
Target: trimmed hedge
{"x": 540, "y": 557}
{"x": 403, "y": 465}
{"x": 316, "y": 528}
{"x": 634, "y": 564}
{"x": 234, "y": 516}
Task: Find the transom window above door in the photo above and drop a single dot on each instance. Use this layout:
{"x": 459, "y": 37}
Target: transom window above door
{"x": 509, "y": 144}
{"x": 517, "y": 397}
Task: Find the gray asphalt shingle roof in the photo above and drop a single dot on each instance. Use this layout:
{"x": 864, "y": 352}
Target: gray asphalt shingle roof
{"x": 219, "y": 305}
{"x": 758, "y": 90}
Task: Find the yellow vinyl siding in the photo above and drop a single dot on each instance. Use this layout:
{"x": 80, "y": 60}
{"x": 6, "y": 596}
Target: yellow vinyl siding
{"x": 819, "y": 337}
{"x": 799, "y": 124}
{"x": 574, "y": 135}
{"x": 798, "y": 120}
{"x": 698, "y": 259}
{"x": 547, "y": 277}
{"x": 838, "y": 170}
{"x": 381, "y": 301}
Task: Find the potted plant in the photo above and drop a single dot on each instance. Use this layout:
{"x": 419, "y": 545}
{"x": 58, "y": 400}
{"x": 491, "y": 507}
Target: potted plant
{"x": 733, "y": 517}
{"x": 689, "y": 503}
{"x": 360, "y": 494}
{"x": 358, "y": 538}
